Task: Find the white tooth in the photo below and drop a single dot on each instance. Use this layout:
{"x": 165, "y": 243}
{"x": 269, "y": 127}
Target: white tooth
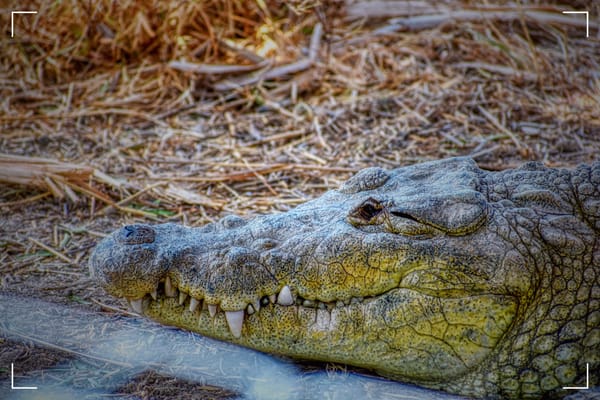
{"x": 285, "y": 297}
{"x": 154, "y": 294}
{"x": 136, "y": 305}
{"x": 235, "y": 319}
{"x": 256, "y": 305}
{"x": 309, "y": 303}
{"x": 182, "y": 297}
{"x": 170, "y": 291}
{"x": 250, "y": 309}
{"x": 273, "y": 298}
{"x": 212, "y": 309}
{"x": 194, "y": 304}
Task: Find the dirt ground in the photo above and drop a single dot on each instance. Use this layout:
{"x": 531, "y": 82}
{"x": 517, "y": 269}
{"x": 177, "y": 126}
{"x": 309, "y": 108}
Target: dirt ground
{"x": 142, "y": 139}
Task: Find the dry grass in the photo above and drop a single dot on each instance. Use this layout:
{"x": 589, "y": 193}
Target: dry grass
{"x": 188, "y": 111}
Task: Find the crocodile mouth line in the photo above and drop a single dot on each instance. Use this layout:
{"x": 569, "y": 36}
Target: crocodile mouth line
{"x": 235, "y": 319}
{"x": 166, "y": 288}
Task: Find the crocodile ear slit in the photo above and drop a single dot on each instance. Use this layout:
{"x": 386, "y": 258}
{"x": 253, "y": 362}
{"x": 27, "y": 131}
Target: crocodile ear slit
{"x": 403, "y": 214}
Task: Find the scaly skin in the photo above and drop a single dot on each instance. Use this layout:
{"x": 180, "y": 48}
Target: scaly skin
{"x": 485, "y": 284}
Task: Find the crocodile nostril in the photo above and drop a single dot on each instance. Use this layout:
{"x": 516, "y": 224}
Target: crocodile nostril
{"x": 136, "y": 234}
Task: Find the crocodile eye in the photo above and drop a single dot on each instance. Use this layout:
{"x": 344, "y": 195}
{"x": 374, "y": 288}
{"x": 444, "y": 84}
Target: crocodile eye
{"x": 368, "y": 210}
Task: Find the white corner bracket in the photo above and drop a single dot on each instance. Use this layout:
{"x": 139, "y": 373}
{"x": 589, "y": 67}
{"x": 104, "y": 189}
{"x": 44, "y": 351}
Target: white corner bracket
{"x": 587, "y": 380}
{"x": 12, "y": 20}
{"x": 12, "y": 381}
{"x": 587, "y": 20}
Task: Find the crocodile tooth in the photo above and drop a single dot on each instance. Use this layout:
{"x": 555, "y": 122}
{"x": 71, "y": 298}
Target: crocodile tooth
{"x": 194, "y": 304}
{"x": 285, "y": 297}
{"x": 182, "y": 297}
{"x": 235, "y": 319}
{"x": 154, "y": 294}
{"x": 136, "y": 305}
{"x": 256, "y": 305}
{"x": 170, "y": 291}
{"x": 273, "y": 298}
{"x": 250, "y": 309}
{"x": 212, "y": 309}
{"x": 309, "y": 303}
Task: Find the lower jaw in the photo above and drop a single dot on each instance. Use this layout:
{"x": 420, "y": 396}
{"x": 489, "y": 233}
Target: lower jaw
{"x": 294, "y": 331}
{"x": 265, "y": 328}
{"x": 378, "y": 334}
{"x": 311, "y": 336}
{"x": 337, "y": 335}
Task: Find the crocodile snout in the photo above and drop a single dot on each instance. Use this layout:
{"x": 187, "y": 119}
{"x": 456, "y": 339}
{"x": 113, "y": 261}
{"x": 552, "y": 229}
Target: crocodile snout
{"x": 200, "y": 271}
{"x": 112, "y": 260}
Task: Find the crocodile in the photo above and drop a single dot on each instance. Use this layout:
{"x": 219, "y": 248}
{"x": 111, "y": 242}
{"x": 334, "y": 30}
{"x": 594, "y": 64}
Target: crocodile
{"x": 479, "y": 283}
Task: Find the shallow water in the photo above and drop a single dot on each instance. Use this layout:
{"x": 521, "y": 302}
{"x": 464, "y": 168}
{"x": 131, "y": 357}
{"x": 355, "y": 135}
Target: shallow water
{"x": 109, "y": 351}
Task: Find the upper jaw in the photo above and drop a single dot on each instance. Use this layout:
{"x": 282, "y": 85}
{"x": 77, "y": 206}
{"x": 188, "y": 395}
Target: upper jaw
{"x": 225, "y": 267}
{"x": 201, "y": 278}
{"x": 234, "y": 317}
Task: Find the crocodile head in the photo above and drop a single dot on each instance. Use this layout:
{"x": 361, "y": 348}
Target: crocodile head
{"x": 430, "y": 274}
